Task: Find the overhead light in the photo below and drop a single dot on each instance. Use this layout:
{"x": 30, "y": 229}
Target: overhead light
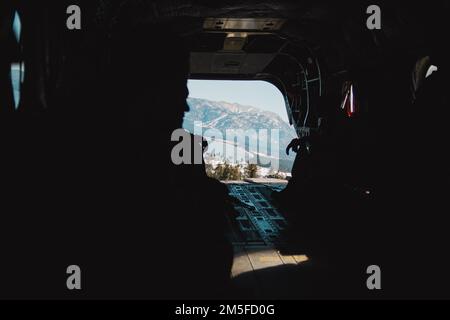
{"x": 235, "y": 41}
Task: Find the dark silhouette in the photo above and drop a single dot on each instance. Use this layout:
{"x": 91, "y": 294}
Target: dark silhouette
{"x": 86, "y": 171}
{"x": 114, "y": 203}
{"x": 167, "y": 222}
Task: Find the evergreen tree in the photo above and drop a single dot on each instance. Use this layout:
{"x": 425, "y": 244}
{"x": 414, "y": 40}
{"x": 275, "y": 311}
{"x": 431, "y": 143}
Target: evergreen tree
{"x": 251, "y": 171}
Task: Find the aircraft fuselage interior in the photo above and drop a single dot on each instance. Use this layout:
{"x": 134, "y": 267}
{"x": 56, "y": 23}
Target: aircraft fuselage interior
{"x": 92, "y": 98}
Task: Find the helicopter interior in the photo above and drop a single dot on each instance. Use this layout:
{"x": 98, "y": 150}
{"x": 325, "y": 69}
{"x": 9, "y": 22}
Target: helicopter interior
{"x": 368, "y": 183}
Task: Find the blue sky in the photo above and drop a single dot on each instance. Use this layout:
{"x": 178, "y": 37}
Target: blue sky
{"x": 260, "y": 94}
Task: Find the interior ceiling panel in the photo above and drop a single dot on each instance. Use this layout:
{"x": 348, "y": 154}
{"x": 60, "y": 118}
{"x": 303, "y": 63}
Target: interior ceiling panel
{"x": 229, "y": 63}
{"x": 337, "y": 28}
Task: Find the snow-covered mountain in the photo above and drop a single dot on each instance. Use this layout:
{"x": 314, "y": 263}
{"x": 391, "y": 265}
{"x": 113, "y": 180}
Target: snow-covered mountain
{"x": 225, "y": 116}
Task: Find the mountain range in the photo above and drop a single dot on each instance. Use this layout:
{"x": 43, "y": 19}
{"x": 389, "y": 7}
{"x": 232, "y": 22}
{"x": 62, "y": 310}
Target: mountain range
{"x": 225, "y": 116}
